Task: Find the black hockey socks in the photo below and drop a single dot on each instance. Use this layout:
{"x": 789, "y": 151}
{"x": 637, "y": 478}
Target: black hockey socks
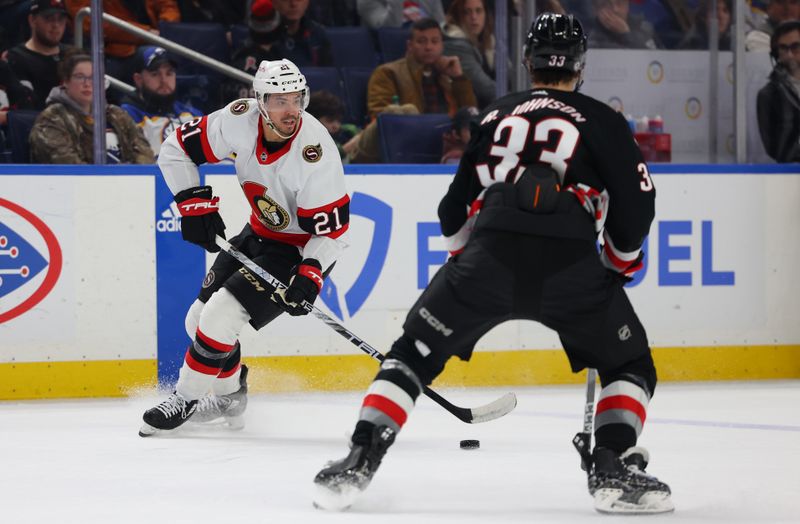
{"x": 620, "y": 414}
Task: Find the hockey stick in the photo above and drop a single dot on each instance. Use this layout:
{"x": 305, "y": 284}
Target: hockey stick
{"x": 583, "y": 440}
{"x": 485, "y": 413}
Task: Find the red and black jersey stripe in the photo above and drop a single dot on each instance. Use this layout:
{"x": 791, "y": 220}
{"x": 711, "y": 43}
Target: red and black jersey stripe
{"x": 331, "y": 220}
{"x": 193, "y": 138}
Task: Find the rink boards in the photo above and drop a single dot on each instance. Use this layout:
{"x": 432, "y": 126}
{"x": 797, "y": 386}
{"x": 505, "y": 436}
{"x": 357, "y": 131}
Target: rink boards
{"x": 95, "y": 281}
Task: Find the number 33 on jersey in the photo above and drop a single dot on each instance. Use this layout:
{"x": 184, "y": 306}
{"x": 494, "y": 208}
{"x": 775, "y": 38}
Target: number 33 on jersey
{"x": 586, "y": 142}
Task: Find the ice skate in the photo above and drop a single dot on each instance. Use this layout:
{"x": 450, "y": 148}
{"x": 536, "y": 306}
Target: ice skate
{"x": 168, "y": 415}
{"x": 229, "y": 407}
{"x": 340, "y": 483}
{"x": 620, "y": 485}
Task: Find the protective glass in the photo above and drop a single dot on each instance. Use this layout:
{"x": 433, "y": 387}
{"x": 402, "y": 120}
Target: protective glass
{"x": 284, "y": 102}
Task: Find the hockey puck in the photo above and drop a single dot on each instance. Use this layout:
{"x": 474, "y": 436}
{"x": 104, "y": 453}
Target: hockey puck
{"x": 470, "y": 444}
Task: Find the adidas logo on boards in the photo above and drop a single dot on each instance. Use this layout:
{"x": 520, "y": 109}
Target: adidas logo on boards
{"x": 170, "y": 221}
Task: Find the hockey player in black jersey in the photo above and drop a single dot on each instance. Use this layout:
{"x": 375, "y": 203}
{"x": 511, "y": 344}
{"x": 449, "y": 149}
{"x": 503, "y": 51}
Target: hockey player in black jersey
{"x": 546, "y": 172}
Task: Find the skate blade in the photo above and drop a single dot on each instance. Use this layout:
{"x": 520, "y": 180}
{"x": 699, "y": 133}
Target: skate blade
{"x": 235, "y": 423}
{"x": 607, "y": 501}
{"x": 339, "y": 499}
{"x": 148, "y": 431}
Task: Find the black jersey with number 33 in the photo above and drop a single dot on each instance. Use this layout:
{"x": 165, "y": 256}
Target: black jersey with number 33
{"x": 586, "y": 142}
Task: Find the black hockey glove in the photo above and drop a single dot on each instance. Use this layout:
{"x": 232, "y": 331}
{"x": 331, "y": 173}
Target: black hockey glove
{"x": 305, "y": 284}
{"x": 200, "y": 219}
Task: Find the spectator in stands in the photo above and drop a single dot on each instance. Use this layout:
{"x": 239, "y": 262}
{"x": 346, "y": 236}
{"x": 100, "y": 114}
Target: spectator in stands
{"x": 13, "y": 94}
{"x": 778, "y": 102}
{"x": 455, "y": 141}
{"x": 398, "y": 13}
{"x": 425, "y": 78}
{"x": 777, "y": 12}
{"x": 469, "y": 35}
{"x": 278, "y": 29}
{"x": 425, "y": 81}
{"x": 329, "y": 110}
{"x": 35, "y": 62}
{"x": 63, "y": 132}
{"x": 153, "y": 107}
{"x": 615, "y": 27}
{"x": 225, "y": 12}
{"x": 698, "y": 38}
{"x": 120, "y": 46}
{"x": 334, "y": 12}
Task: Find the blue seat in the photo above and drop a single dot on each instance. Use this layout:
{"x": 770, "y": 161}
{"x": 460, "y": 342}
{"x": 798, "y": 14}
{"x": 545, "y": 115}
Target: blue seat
{"x": 20, "y": 123}
{"x": 356, "y": 80}
{"x": 352, "y": 47}
{"x": 412, "y": 139}
{"x": 393, "y": 42}
{"x": 207, "y": 39}
{"x": 195, "y": 91}
{"x": 324, "y": 79}
{"x": 239, "y": 35}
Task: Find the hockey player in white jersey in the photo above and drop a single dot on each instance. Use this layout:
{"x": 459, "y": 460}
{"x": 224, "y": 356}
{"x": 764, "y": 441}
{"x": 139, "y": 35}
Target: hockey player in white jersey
{"x": 291, "y": 174}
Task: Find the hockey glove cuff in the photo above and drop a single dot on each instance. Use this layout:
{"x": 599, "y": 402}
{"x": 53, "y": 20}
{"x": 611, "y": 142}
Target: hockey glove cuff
{"x": 305, "y": 284}
{"x": 200, "y": 219}
{"x": 623, "y": 268}
{"x": 455, "y": 243}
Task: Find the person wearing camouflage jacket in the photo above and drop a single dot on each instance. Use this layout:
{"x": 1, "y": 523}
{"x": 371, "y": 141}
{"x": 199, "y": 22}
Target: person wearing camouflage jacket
{"x": 63, "y": 132}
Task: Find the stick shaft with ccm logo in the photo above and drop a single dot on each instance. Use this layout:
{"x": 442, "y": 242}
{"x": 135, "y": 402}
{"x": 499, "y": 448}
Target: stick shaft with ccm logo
{"x": 485, "y": 413}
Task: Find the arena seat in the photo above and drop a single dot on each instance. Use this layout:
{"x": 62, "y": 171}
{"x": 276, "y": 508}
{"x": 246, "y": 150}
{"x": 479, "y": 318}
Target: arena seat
{"x": 392, "y": 42}
{"x": 324, "y": 78}
{"x": 412, "y": 139}
{"x": 355, "y": 86}
{"x": 20, "y": 123}
{"x": 352, "y": 47}
{"x": 207, "y": 39}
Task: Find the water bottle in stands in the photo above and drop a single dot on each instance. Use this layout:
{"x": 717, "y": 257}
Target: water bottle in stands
{"x": 656, "y": 124}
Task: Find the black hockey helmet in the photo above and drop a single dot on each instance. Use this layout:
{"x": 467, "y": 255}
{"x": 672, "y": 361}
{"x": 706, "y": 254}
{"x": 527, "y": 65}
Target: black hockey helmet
{"x": 555, "y": 41}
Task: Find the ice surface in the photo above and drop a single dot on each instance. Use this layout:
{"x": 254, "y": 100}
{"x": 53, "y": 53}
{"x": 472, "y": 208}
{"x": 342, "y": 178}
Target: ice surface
{"x": 730, "y": 451}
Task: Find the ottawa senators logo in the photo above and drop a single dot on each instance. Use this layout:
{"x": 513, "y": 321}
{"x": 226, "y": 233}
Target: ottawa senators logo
{"x": 265, "y": 209}
{"x": 271, "y": 214}
{"x": 209, "y": 280}
{"x": 239, "y": 107}
{"x": 312, "y": 153}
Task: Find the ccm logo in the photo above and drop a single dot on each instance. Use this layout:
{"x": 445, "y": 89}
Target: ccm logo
{"x": 434, "y": 322}
{"x": 252, "y": 279}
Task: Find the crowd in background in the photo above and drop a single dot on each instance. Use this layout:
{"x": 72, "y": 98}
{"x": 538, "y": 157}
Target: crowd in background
{"x": 449, "y": 67}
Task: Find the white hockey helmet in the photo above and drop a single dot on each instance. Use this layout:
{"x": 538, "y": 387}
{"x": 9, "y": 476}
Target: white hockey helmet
{"x": 279, "y": 76}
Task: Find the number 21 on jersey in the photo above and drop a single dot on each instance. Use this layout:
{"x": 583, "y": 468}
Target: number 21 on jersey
{"x": 508, "y": 169}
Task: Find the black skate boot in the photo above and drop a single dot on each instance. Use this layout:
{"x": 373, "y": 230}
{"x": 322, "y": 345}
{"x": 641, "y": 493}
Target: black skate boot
{"x": 620, "y": 485}
{"x": 168, "y": 415}
{"x": 231, "y": 407}
{"x": 341, "y": 482}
